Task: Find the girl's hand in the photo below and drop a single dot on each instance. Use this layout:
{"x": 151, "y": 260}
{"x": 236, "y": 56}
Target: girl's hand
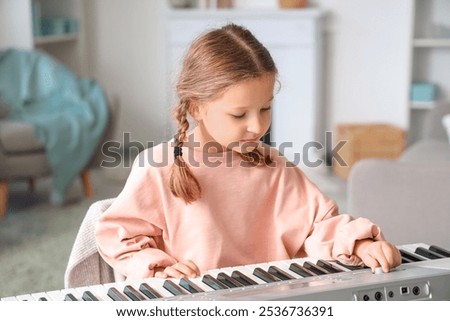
{"x": 378, "y": 253}
{"x": 178, "y": 270}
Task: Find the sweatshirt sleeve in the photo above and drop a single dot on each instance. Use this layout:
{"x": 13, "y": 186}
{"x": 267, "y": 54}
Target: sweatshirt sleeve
{"x": 129, "y": 234}
{"x": 333, "y": 235}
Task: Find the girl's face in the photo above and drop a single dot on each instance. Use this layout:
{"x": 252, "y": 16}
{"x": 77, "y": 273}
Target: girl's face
{"x": 239, "y": 118}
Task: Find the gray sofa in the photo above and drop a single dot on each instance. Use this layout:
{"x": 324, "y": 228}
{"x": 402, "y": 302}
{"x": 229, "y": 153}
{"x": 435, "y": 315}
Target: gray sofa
{"x": 408, "y": 197}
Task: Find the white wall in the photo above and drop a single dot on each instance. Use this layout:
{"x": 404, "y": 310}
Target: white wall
{"x": 126, "y": 55}
{"x": 367, "y": 61}
{"x": 15, "y": 24}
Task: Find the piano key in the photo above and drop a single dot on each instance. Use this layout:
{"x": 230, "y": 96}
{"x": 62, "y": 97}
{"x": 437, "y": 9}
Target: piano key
{"x": 315, "y": 268}
{"x": 427, "y": 253}
{"x": 213, "y": 282}
{"x": 405, "y": 260}
{"x": 149, "y": 292}
{"x": 101, "y": 291}
{"x": 9, "y": 298}
{"x": 228, "y": 280}
{"x": 155, "y": 283}
{"x": 300, "y": 270}
{"x": 411, "y": 256}
{"x": 265, "y": 276}
{"x": 173, "y": 288}
{"x": 351, "y": 267}
{"x": 89, "y": 296}
{"x": 235, "y": 271}
{"x": 439, "y": 250}
{"x": 280, "y": 273}
{"x": 70, "y": 297}
{"x": 190, "y": 286}
{"x": 247, "y": 270}
{"x": 411, "y": 249}
{"x": 56, "y": 295}
{"x": 329, "y": 267}
{"x": 242, "y": 278}
{"x": 41, "y": 296}
{"x": 133, "y": 294}
{"x": 116, "y": 295}
{"x": 25, "y": 297}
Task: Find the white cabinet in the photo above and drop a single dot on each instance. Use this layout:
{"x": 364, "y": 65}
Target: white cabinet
{"x": 430, "y": 56}
{"x": 294, "y": 39}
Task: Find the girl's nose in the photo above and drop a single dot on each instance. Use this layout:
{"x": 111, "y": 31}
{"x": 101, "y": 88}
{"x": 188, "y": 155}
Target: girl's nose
{"x": 255, "y": 125}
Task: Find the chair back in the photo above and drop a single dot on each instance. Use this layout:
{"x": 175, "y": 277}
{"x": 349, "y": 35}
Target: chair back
{"x": 86, "y": 266}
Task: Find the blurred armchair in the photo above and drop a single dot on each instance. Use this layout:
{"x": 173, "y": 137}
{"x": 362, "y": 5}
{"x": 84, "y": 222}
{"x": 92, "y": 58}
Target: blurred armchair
{"x": 23, "y": 153}
{"x": 408, "y": 197}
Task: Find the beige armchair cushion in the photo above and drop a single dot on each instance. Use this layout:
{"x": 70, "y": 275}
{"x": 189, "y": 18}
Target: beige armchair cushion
{"x": 18, "y": 137}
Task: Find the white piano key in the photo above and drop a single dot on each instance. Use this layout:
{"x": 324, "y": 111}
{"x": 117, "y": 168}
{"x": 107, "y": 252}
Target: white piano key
{"x": 411, "y": 249}
{"x": 9, "y": 298}
{"x": 247, "y": 272}
{"x": 155, "y": 283}
{"x": 56, "y": 295}
{"x": 72, "y": 291}
{"x": 39, "y": 295}
{"x": 198, "y": 281}
{"x": 285, "y": 268}
{"x": 25, "y": 297}
{"x": 100, "y": 291}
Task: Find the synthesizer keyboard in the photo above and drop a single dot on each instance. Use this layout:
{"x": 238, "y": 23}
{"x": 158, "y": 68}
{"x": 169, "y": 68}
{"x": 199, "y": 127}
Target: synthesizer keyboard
{"x": 423, "y": 275}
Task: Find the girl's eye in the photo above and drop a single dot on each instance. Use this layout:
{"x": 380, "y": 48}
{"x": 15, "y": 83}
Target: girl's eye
{"x": 266, "y": 109}
{"x": 238, "y": 116}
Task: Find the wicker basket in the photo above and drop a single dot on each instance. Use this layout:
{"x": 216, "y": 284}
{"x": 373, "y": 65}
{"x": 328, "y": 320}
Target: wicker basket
{"x": 293, "y": 3}
{"x": 367, "y": 141}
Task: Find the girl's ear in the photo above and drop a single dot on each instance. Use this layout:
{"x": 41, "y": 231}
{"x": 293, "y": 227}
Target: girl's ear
{"x": 197, "y": 111}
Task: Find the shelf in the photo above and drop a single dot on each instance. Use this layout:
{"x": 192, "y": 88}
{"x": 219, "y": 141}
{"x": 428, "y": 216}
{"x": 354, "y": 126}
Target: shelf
{"x": 431, "y": 42}
{"x": 423, "y": 105}
{"x": 43, "y": 40}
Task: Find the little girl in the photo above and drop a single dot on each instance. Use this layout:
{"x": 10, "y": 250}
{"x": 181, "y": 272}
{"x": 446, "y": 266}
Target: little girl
{"x": 217, "y": 196}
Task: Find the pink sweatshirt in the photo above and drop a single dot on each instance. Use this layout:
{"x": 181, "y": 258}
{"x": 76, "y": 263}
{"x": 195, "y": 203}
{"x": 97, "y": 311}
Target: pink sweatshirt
{"x": 246, "y": 215}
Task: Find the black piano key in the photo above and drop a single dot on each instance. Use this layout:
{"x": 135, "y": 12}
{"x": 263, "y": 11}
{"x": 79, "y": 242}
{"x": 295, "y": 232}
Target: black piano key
{"x": 300, "y": 270}
{"x": 116, "y": 295}
{"x": 314, "y": 268}
{"x": 440, "y": 250}
{"x": 42, "y": 299}
{"x": 279, "y": 273}
{"x": 329, "y": 267}
{"x": 173, "y": 288}
{"x": 213, "y": 282}
{"x": 410, "y": 256}
{"x": 405, "y": 260}
{"x": 133, "y": 294}
{"x": 242, "y": 278}
{"x": 149, "y": 292}
{"x": 89, "y": 296}
{"x": 352, "y": 267}
{"x": 265, "y": 276}
{"x": 228, "y": 280}
{"x": 190, "y": 286}
{"x": 70, "y": 297}
{"x": 427, "y": 253}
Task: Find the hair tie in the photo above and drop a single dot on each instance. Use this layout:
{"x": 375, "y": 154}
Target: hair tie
{"x": 177, "y": 151}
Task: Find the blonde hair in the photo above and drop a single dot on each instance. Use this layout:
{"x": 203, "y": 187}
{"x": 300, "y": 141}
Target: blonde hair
{"x": 215, "y": 61}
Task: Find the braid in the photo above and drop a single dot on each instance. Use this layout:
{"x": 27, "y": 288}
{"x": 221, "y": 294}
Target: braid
{"x": 182, "y": 182}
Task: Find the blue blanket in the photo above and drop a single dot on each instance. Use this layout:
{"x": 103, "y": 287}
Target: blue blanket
{"x": 69, "y": 114}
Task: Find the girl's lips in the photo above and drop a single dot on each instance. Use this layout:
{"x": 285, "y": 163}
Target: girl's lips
{"x": 250, "y": 140}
